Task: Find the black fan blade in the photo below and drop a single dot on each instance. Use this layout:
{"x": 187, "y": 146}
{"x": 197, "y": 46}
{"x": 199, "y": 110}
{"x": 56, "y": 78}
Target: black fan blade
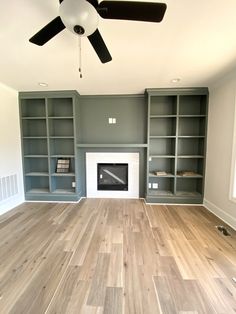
{"x": 94, "y": 3}
{"x": 134, "y": 11}
{"x": 99, "y": 46}
{"x": 48, "y": 32}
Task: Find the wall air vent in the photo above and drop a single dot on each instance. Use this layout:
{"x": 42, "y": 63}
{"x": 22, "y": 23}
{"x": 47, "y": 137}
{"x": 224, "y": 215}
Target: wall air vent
{"x": 8, "y": 187}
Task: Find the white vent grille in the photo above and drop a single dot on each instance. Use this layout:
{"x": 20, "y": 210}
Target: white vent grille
{"x": 8, "y": 187}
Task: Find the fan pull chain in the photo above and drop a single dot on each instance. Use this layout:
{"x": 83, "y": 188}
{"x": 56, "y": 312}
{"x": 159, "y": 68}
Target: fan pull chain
{"x": 80, "y": 57}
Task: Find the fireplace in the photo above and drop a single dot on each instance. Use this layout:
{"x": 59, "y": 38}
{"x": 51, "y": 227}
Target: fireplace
{"x": 120, "y": 176}
{"x": 112, "y": 177}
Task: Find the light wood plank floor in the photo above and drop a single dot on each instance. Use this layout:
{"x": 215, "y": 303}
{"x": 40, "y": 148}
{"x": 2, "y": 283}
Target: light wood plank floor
{"x": 115, "y": 256}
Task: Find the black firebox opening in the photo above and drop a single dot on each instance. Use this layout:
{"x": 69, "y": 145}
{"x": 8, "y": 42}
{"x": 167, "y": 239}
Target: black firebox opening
{"x": 112, "y": 177}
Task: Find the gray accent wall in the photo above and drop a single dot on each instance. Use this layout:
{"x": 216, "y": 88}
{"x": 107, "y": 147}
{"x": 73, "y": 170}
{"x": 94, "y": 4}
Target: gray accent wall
{"x": 128, "y": 110}
{"x": 95, "y": 134}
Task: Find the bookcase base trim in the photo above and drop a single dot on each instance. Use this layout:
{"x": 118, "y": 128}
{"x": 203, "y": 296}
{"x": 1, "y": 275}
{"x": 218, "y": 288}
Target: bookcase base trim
{"x": 173, "y": 200}
{"x": 52, "y": 197}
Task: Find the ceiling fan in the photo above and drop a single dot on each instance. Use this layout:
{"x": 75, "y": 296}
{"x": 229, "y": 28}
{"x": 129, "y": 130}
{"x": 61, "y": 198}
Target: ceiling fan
{"x": 81, "y": 18}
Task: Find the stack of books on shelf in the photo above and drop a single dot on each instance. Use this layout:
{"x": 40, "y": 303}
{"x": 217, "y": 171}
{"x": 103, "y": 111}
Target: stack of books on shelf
{"x": 187, "y": 173}
{"x": 160, "y": 173}
{"x": 63, "y": 165}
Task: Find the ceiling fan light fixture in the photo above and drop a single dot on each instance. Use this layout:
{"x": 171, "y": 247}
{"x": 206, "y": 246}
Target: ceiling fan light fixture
{"x": 80, "y": 17}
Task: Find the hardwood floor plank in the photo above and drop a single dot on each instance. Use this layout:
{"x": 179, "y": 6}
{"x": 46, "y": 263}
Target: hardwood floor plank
{"x": 115, "y": 270}
{"x": 97, "y": 291}
{"x": 113, "y": 301}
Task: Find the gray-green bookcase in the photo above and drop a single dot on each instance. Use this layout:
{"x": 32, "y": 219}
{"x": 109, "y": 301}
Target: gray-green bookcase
{"x": 177, "y": 124}
{"x": 48, "y": 134}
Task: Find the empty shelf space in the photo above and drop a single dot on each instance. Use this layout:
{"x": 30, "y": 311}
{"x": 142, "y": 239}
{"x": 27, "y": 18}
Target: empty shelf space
{"x": 60, "y": 107}
{"x": 62, "y": 146}
{"x": 39, "y": 184}
{"x": 163, "y": 105}
{"x": 192, "y": 105}
{"x": 189, "y": 186}
{"x": 193, "y": 126}
{"x": 162, "y": 146}
{"x": 61, "y": 127}
{"x": 36, "y": 146}
{"x": 62, "y": 184}
{"x": 33, "y": 107}
{"x": 36, "y": 165}
{"x": 36, "y": 128}
{"x": 162, "y": 127}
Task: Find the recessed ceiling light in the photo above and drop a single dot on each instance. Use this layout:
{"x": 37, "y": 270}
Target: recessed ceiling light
{"x": 43, "y": 84}
{"x": 175, "y": 80}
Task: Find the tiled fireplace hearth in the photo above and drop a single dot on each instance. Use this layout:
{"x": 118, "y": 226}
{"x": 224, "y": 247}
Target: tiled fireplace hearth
{"x": 106, "y": 175}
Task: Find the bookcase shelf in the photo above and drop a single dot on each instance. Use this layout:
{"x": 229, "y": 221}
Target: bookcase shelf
{"x": 36, "y": 174}
{"x": 177, "y": 121}
{"x": 48, "y": 133}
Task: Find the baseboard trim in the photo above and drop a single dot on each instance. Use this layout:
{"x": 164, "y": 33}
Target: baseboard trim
{"x": 227, "y": 218}
{"x": 9, "y": 204}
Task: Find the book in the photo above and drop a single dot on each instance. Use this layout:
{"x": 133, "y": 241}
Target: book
{"x": 160, "y": 173}
{"x": 187, "y": 173}
{"x": 63, "y": 165}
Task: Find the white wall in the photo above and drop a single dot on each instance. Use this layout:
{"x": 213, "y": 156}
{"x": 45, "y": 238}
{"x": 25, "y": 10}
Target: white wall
{"x": 10, "y": 146}
{"x": 219, "y": 149}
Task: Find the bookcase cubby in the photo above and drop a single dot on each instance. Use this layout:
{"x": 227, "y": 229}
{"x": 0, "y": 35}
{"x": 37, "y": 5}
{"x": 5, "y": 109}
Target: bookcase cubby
{"x": 48, "y": 134}
{"x": 177, "y": 123}
{"x": 33, "y": 108}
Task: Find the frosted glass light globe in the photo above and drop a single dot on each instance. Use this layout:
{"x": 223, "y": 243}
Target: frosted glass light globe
{"x": 79, "y": 13}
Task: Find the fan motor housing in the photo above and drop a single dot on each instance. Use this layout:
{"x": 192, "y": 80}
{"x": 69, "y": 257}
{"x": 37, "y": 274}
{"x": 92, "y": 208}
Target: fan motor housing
{"x": 79, "y": 16}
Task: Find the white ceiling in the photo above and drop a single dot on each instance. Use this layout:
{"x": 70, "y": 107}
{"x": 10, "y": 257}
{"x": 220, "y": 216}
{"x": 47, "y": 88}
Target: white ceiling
{"x": 196, "y": 42}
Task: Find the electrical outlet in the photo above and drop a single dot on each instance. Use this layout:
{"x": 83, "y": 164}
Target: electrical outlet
{"x": 110, "y": 120}
{"x": 73, "y": 184}
{"x": 155, "y": 185}
{"x": 150, "y": 158}
{"x": 149, "y": 185}
{"x": 114, "y": 120}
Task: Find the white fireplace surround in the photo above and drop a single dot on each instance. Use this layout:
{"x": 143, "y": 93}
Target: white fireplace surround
{"x": 132, "y": 159}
